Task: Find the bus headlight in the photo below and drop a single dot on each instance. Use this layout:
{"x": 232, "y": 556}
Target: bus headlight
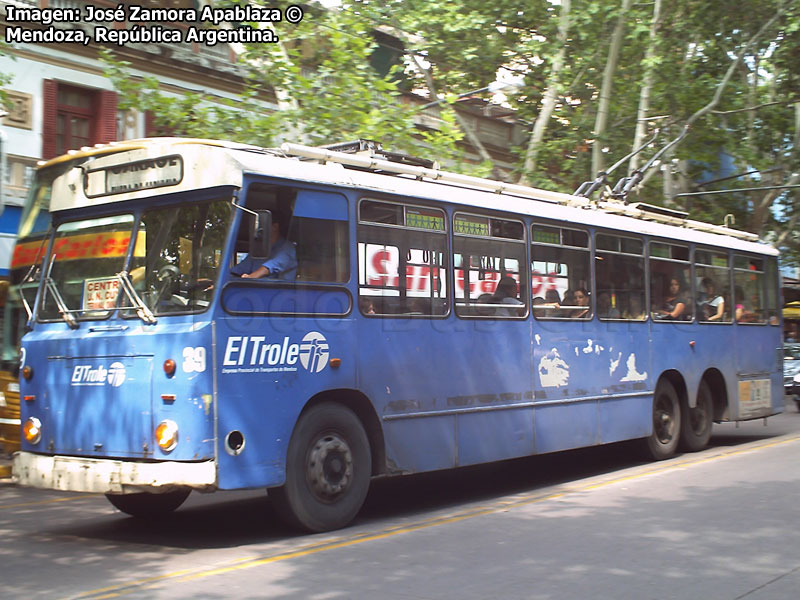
{"x": 32, "y": 430}
{"x": 167, "y": 435}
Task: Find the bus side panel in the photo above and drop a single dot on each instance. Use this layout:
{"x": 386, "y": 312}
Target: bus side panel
{"x": 268, "y": 369}
{"x": 491, "y": 359}
{"x": 424, "y": 444}
{"x": 591, "y": 383}
{"x": 513, "y": 438}
{"x": 565, "y": 426}
{"x": 467, "y": 366}
{"x": 625, "y": 418}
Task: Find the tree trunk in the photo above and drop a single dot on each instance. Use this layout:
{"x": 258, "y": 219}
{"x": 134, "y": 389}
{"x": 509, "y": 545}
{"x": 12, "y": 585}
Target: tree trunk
{"x": 550, "y": 96}
{"x": 647, "y": 84}
{"x": 605, "y": 89}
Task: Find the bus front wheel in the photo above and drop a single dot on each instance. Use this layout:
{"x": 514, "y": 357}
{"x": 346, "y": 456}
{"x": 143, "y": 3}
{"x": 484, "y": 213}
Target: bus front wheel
{"x": 328, "y": 466}
{"x": 697, "y": 422}
{"x": 148, "y": 505}
{"x": 663, "y": 442}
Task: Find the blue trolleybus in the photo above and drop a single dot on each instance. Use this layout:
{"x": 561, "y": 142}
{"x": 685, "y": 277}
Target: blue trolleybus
{"x": 428, "y": 320}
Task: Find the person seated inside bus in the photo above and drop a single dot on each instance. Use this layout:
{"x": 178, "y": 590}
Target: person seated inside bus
{"x": 673, "y": 306}
{"x": 747, "y": 313}
{"x": 481, "y": 306}
{"x": 583, "y": 309}
{"x": 605, "y": 308}
{"x": 710, "y": 304}
{"x": 547, "y": 306}
{"x": 366, "y": 305}
{"x": 551, "y": 297}
{"x": 281, "y": 264}
{"x": 635, "y": 310}
{"x": 506, "y": 294}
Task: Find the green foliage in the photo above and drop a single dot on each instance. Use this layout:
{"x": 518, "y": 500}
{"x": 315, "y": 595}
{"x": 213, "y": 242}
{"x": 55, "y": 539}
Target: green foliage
{"x": 5, "y": 78}
{"x": 315, "y": 87}
{"x": 320, "y": 77}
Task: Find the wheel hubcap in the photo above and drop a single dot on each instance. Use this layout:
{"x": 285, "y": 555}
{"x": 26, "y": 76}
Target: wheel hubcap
{"x": 330, "y": 467}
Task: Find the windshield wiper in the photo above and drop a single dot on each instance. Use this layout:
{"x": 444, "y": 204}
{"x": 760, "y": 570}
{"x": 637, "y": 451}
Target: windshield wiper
{"x": 51, "y": 286}
{"x": 144, "y": 313}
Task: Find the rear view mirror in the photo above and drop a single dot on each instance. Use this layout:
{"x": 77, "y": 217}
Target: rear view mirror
{"x": 260, "y": 232}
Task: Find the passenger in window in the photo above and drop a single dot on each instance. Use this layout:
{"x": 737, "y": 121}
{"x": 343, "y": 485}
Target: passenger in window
{"x": 582, "y": 302}
{"x": 711, "y": 304}
{"x": 481, "y": 307}
{"x": 506, "y": 293}
{"x": 543, "y": 308}
{"x": 552, "y": 304}
{"x": 366, "y": 305}
{"x": 605, "y": 308}
{"x": 281, "y": 264}
{"x": 673, "y": 308}
{"x": 635, "y": 310}
{"x": 739, "y": 309}
{"x": 745, "y": 313}
{"x": 569, "y": 298}
{"x": 551, "y": 297}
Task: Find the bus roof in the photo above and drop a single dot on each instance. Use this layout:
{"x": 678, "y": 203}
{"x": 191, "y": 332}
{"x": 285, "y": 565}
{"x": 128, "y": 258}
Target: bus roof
{"x": 166, "y": 165}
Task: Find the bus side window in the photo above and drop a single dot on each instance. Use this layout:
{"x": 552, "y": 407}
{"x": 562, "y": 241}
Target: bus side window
{"x": 749, "y": 289}
{"x": 712, "y": 282}
{"x": 489, "y": 260}
{"x": 314, "y": 222}
{"x": 671, "y": 295}
{"x": 619, "y": 272}
{"x": 402, "y": 260}
{"x": 559, "y": 267}
{"x": 319, "y": 231}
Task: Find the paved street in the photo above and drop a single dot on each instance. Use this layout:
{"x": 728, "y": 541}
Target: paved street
{"x": 591, "y": 523}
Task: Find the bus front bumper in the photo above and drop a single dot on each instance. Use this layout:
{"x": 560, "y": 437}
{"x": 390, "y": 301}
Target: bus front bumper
{"x": 107, "y": 476}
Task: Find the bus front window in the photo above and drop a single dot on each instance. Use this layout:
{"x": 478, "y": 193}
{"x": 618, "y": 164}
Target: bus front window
{"x": 177, "y": 257}
{"x": 82, "y": 277}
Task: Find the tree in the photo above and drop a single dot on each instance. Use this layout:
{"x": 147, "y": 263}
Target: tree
{"x": 5, "y": 78}
{"x": 586, "y": 89}
{"x": 322, "y": 79}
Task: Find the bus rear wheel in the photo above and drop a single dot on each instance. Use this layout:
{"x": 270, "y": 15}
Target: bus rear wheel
{"x": 328, "y": 468}
{"x": 697, "y": 422}
{"x": 663, "y": 442}
{"x": 148, "y": 505}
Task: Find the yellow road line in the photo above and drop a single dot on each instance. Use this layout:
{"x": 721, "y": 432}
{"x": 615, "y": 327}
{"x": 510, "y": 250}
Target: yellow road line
{"x": 499, "y": 506}
{"x": 50, "y": 501}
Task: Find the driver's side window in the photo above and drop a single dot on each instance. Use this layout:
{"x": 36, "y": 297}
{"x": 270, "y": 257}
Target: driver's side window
{"x": 312, "y": 229}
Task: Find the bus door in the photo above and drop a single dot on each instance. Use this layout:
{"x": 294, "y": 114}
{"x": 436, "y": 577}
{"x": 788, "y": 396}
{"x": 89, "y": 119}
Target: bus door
{"x": 284, "y": 338}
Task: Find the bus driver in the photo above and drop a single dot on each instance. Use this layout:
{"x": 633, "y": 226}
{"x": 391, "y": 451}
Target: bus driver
{"x": 281, "y": 264}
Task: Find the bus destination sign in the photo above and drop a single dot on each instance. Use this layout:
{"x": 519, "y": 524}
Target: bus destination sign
{"x": 135, "y": 176}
